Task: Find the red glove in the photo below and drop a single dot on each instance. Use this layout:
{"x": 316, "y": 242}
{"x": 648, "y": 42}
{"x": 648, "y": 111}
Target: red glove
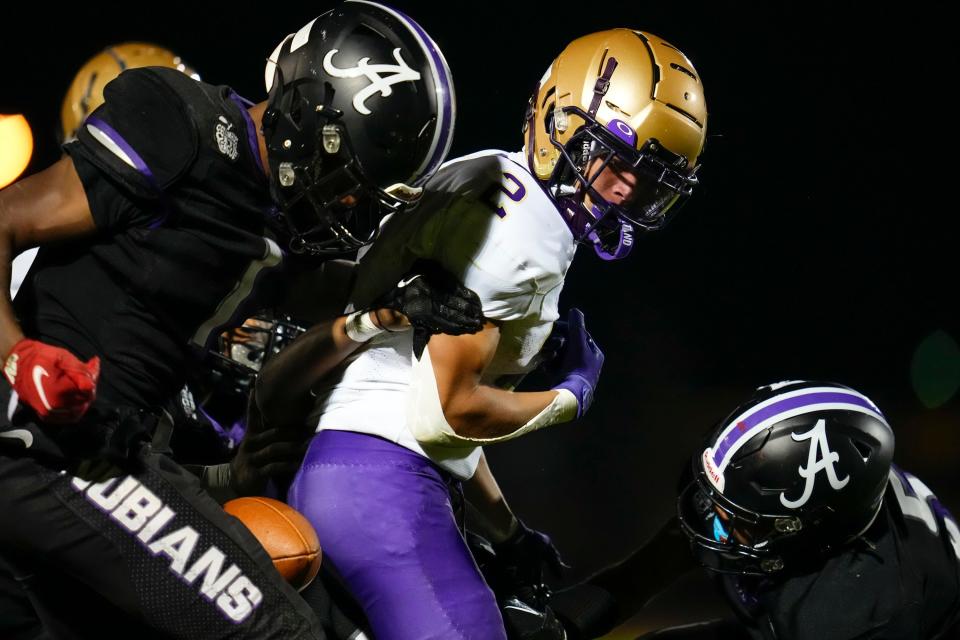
{"x": 52, "y": 381}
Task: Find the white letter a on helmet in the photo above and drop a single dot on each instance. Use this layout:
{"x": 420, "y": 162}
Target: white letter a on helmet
{"x": 818, "y": 447}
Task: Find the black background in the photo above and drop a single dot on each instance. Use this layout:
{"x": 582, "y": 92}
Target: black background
{"x": 820, "y": 244}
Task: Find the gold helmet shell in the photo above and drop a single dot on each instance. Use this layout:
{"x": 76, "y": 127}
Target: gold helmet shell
{"x": 86, "y": 90}
{"x": 630, "y": 89}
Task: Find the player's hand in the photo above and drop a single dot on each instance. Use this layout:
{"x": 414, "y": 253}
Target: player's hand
{"x": 521, "y": 561}
{"x": 431, "y": 300}
{"x": 580, "y": 363}
{"x": 265, "y": 453}
{"x": 52, "y": 381}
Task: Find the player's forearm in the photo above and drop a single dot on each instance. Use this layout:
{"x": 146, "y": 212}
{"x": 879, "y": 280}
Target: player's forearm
{"x": 283, "y": 386}
{"x": 490, "y": 508}
{"x": 46, "y": 207}
{"x": 648, "y": 571}
{"x": 10, "y": 332}
{"x": 449, "y": 406}
{"x": 486, "y": 412}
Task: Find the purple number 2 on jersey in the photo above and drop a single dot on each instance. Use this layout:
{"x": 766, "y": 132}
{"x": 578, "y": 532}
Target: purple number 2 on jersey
{"x": 515, "y": 191}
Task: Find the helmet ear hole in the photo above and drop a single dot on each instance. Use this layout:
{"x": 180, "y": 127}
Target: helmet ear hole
{"x": 548, "y": 117}
{"x": 764, "y": 490}
{"x": 296, "y": 106}
{"x": 863, "y": 448}
{"x": 752, "y": 447}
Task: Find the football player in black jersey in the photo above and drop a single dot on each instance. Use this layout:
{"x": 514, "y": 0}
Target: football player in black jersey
{"x": 178, "y": 211}
{"x": 809, "y": 530}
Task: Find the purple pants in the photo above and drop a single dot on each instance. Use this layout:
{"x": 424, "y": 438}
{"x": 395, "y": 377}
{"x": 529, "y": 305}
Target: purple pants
{"x": 386, "y": 526}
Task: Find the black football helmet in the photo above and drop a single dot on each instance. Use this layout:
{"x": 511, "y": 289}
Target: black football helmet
{"x": 361, "y": 112}
{"x": 798, "y": 470}
{"x": 243, "y": 350}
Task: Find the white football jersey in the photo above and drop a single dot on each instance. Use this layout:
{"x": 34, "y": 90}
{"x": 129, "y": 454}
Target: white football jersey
{"x": 487, "y": 221}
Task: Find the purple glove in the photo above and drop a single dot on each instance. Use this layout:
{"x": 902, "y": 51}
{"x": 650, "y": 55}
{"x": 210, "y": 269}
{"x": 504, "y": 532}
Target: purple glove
{"x": 581, "y": 364}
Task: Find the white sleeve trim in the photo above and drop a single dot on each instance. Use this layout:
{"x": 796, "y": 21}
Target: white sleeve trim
{"x": 429, "y": 426}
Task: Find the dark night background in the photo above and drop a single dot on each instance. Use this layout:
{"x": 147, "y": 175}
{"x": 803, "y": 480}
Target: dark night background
{"x": 819, "y": 244}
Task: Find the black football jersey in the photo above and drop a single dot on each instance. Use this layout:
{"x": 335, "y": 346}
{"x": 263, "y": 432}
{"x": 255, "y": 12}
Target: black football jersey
{"x": 901, "y": 581}
{"x": 184, "y": 244}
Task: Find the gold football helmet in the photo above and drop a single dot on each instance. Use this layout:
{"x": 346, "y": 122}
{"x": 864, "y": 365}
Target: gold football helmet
{"x": 86, "y": 91}
{"x": 622, "y": 107}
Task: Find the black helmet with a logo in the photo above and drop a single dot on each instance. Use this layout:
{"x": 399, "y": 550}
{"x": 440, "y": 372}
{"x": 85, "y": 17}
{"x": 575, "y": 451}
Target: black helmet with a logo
{"x": 360, "y": 114}
{"x": 797, "y": 471}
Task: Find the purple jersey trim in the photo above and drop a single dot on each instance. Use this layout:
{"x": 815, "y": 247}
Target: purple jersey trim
{"x": 118, "y": 140}
{"x": 213, "y": 422}
{"x": 138, "y": 164}
{"x": 932, "y": 500}
{"x": 904, "y": 480}
{"x": 941, "y": 510}
{"x": 745, "y": 424}
{"x": 234, "y": 434}
{"x": 243, "y": 103}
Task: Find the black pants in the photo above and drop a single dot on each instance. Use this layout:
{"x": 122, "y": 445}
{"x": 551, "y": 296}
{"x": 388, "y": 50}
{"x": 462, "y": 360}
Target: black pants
{"x": 18, "y": 619}
{"x": 146, "y": 551}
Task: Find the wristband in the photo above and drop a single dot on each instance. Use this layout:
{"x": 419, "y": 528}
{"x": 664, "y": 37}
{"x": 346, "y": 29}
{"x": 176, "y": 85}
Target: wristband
{"x": 359, "y": 327}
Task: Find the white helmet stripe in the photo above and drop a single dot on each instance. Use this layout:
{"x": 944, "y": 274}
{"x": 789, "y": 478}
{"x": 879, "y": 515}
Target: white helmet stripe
{"x": 270, "y": 71}
{"x": 302, "y": 37}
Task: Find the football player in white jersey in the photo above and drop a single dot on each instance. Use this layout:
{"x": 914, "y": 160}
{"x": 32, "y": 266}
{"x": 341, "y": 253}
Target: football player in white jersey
{"x": 613, "y": 135}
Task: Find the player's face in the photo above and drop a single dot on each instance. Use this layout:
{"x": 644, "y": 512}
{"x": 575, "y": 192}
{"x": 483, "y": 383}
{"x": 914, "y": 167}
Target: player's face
{"x": 246, "y": 344}
{"x": 616, "y": 183}
{"x": 723, "y": 529}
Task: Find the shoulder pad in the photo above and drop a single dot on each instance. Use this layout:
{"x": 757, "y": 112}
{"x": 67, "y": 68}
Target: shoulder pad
{"x": 143, "y": 134}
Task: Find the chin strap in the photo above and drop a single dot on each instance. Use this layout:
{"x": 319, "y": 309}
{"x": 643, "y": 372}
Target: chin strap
{"x": 624, "y": 240}
{"x": 623, "y": 248}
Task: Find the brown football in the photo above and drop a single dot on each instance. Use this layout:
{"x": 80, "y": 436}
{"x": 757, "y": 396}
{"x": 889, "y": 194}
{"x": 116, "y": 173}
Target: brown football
{"x": 288, "y": 538}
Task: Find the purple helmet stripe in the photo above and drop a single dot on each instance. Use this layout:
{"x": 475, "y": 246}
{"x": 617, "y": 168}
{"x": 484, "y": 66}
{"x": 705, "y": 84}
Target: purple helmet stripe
{"x": 785, "y": 406}
{"x": 442, "y": 137}
{"x": 251, "y": 130}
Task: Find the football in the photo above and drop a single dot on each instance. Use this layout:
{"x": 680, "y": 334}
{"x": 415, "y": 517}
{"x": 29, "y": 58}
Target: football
{"x": 286, "y": 535}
